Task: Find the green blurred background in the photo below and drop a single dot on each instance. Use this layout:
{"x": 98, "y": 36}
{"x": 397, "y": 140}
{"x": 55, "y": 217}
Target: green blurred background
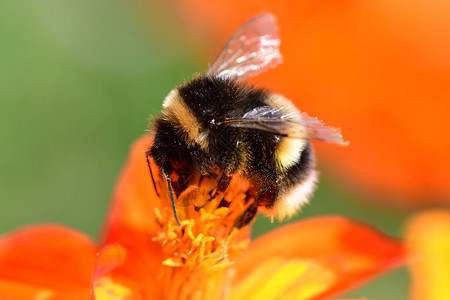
{"x": 78, "y": 82}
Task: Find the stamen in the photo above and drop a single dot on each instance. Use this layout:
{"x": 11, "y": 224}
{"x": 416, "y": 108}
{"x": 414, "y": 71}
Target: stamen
{"x": 206, "y": 241}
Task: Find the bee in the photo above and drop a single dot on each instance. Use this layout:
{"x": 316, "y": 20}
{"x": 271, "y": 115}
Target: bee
{"x": 220, "y": 125}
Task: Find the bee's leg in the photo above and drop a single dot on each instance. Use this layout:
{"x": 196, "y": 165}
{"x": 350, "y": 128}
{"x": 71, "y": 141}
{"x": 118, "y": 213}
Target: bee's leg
{"x": 212, "y": 175}
{"x": 247, "y": 216}
{"x": 267, "y": 197}
{"x": 147, "y": 155}
{"x": 208, "y": 175}
{"x": 224, "y": 183}
{"x": 221, "y": 186}
{"x": 201, "y": 163}
{"x": 172, "y": 199}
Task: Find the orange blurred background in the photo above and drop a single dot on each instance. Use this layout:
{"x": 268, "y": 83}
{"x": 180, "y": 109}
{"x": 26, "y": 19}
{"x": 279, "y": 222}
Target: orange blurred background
{"x": 379, "y": 70}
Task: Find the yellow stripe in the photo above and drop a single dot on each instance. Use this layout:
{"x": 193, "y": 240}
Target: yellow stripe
{"x": 179, "y": 114}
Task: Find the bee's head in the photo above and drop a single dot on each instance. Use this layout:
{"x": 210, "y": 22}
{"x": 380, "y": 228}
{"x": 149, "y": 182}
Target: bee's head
{"x": 197, "y": 122}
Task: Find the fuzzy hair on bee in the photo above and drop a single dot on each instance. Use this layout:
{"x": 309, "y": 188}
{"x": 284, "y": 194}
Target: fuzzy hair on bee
{"x": 219, "y": 125}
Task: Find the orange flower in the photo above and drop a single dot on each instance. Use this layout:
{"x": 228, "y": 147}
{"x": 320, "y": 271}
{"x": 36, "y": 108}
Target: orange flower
{"x": 46, "y": 262}
{"x": 428, "y": 244}
{"x": 380, "y": 70}
{"x": 145, "y": 255}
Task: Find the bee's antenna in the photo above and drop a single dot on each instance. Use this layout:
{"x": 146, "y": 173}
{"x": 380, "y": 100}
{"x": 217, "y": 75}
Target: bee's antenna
{"x": 172, "y": 199}
{"x": 147, "y": 154}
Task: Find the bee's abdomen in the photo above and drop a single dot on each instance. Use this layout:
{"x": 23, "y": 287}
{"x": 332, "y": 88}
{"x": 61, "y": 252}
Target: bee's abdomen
{"x": 283, "y": 189}
{"x": 298, "y": 185}
{"x": 300, "y": 170}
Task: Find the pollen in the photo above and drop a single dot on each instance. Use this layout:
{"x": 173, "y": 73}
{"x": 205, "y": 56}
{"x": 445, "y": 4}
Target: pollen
{"x": 199, "y": 255}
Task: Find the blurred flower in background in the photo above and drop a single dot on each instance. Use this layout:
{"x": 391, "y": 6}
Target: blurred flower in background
{"x": 379, "y": 70}
{"x": 428, "y": 246}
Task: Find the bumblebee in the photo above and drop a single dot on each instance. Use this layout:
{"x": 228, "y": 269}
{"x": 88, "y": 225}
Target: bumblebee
{"x": 219, "y": 125}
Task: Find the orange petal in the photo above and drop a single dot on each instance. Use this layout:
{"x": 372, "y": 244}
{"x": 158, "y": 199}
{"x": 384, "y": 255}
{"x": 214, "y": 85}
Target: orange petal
{"x": 134, "y": 200}
{"x": 46, "y": 262}
{"x": 315, "y": 259}
{"x": 131, "y": 221}
{"x": 109, "y": 258}
{"x": 428, "y": 243}
{"x": 104, "y": 286}
{"x": 121, "y": 274}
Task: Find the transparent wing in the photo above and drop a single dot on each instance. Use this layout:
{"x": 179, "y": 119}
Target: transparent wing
{"x": 252, "y": 49}
{"x": 279, "y": 121}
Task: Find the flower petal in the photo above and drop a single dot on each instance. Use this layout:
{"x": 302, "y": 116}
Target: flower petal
{"x": 122, "y": 274}
{"x": 314, "y": 259}
{"x": 428, "y": 243}
{"x": 302, "y": 278}
{"x": 104, "y": 287}
{"x": 109, "y": 258}
{"x": 134, "y": 199}
{"x": 46, "y": 262}
{"x": 131, "y": 222}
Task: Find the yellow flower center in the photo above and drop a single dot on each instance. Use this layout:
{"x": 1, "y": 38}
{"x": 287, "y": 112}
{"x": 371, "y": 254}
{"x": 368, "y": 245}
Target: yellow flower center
{"x": 199, "y": 254}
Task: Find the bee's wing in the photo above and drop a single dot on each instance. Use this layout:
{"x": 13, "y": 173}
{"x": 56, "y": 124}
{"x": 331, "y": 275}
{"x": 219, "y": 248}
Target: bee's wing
{"x": 252, "y": 49}
{"x": 281, "y": 122}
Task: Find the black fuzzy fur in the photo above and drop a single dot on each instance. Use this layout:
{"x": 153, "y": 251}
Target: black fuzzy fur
{"x": 231, "y": 149}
